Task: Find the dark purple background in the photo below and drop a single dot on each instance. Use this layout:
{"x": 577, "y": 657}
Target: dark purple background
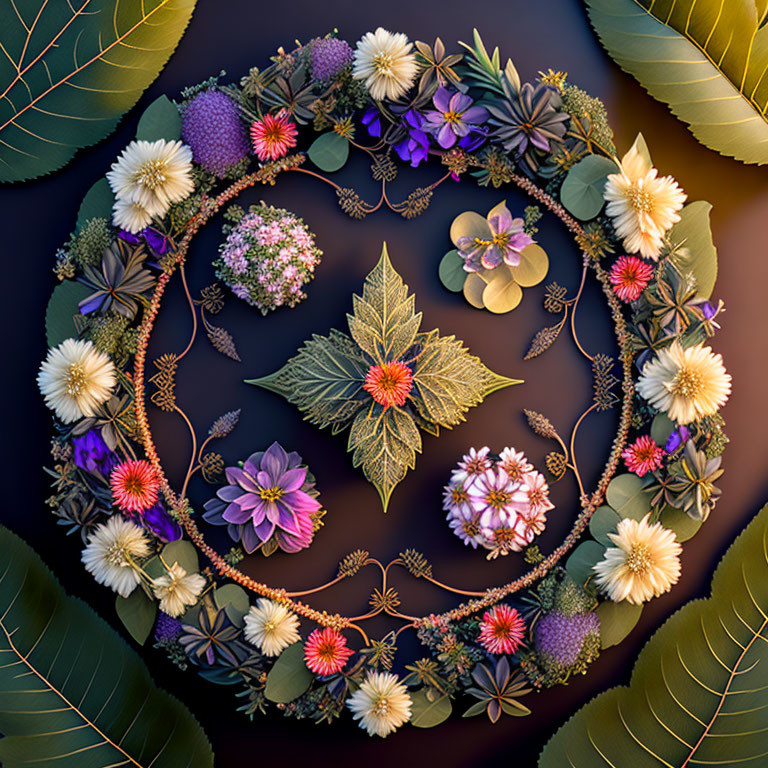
{"x": 234, "y": 35}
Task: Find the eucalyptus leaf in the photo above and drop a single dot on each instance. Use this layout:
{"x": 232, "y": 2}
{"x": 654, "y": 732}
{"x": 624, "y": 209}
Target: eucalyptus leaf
{"x": 628, "y": 495}
{"x": 182, "y": 552}
{"x": 234, "y": 600}
{"x": 706, "y": 59}
{"x": 604, "y": 521}
{"x": 533, "y": 266}
{"x": 138, "y": 614}
{"x": 426, "y": 713}
{"x": 97, "y": 203}
{"x": 474, "y": 286}
{"x": 695, "y": 232}
{"x": 71, "y": 70}
{"x": 683, "y": 525}
{"x": 502, "y": 294}
{"x": 699, "y": 689}
{"x": 92, "y": 702}
{"x": 329, "y": 152}
{"x": 617, "y": 620}
{"x": 582, "y": 190}
{"x": 62, "y": 310}
{"x": 289, "y": 677}
{"x": 160, "y": 120}
{"x": 451, "y": 271}
{"x": 661, "y": 428}
{"x": 579, "y": 564}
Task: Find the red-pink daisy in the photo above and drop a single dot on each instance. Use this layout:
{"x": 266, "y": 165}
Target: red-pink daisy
{"x": 643, "y": 455}
{"x": 629, "y": 277}
{"x": 134, "y": 485}
{"x": 326, "y": 652}
{"x": 273, "y": 135}
{"x": 502, "y": 629}
{"x": 389, "y": 384}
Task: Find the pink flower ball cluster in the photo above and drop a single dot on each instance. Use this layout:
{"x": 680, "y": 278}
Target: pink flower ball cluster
{"x": 268, "y": 257}
{"x": 499, "y": 503}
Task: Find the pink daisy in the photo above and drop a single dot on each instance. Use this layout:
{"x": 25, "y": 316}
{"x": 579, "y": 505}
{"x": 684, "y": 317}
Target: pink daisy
{"x": 502, "y": 630}
{"x": 629, "y": 277}
{"x": 326, "y": 651}
{"x": 643, "y": 456}
{"x": 134, "y": 485}
{"x": 273, "y": 135}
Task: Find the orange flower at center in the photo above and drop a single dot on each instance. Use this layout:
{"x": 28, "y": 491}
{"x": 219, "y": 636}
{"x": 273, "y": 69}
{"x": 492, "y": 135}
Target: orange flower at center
{"x": 389, "y": 384}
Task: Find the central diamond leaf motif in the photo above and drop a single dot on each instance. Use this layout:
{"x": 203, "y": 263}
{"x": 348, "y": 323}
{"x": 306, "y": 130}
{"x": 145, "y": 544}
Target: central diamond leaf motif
{"x": 385, "y": 381}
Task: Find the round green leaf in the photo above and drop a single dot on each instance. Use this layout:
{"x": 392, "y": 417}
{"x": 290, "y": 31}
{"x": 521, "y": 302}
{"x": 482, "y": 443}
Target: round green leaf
{"x": 661, "y": 428}
{"x": 684, "y": 526}
{"x": 289, "y": 676}
{"x": 470, "y": 224}
{"x": 161, "y": 120}
{"x": 617, "y": 620}
{"x": 329, "y": 152}
{"x": 501, "y": 294}
{"x": 582, "y": 190}
{"x": 181, "y": 552}
{"x": 234, "y": 600}
{"x": 137, "y": 612}
{"x": 533, "y": 266}
{"x": 62, "y": 310}
{"x": 628, "y": 496}
{"x": 604, "y": 521}
{"x": 474, "y": 286}
{"x": 426, "y": 713}
{"x": 579, "y": 564}
{"x": 695, "y": 232}
{"x": 97, "y": 203}
{"x": 451, "y": 271}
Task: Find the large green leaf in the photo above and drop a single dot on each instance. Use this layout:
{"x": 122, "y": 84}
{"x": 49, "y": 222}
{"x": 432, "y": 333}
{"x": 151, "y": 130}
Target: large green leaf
{"x": 289, "y": 676}
{"x": 706, "y": 59}
{"x": 324, "y": 380}
{"x": 62, "y": 311}
{"x": 384, "y": 321}
{"x": 694, "y": 232}
{"x": 69, "y": 71}
{"x": 384, "y": 442}
{"x": 73, "y": 694}
{"x": 699, "y": 691}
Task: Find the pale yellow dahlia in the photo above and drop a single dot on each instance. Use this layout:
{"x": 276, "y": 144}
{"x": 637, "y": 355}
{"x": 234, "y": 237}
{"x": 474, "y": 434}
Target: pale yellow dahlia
{"x": 271, "y": 627}
{"x": 642, "y": 205}
{"x": 645, "y": 562}
{"x": 112, "y": 553}
{"x": 152, "y": 175}
{"x": 381, "y": 704}
{"x": 687, "y": 384}
{"x": 177, "y": 590}
{"x": 385, "y": 61}
{"x": 75, "y": 379}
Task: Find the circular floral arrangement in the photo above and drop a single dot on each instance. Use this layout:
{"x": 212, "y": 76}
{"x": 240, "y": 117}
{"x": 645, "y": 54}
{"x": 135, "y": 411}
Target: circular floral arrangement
{"x": 656, "y": 264}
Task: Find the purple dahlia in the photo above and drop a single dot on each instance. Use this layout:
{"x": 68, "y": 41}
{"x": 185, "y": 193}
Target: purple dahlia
{"x": 561, "y": 637}
{"x": 328, "y": 57}
{"x": 270, "y": 496}
{"x": 211, "y": 125}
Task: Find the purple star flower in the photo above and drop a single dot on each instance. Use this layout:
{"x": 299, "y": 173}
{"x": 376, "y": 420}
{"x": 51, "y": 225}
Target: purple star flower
{"x": 414, "y": 148}
{"x": 454, "y": 116}
{"x": 506, "y": 239}
{"x": 268, "y": 497}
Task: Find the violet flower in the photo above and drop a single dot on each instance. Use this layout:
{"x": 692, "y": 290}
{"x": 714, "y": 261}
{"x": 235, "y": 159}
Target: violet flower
{"x": 371, "y": 119}
{"x": 505, "y": 243}
{"x": 454, "y": 116}
{"x": 93, "y": 455}
{"x": 677, "y": 438}
{"x": 414, "y": 148}
{"x": 155, "y": 241}
{"x": 158, "y": 521}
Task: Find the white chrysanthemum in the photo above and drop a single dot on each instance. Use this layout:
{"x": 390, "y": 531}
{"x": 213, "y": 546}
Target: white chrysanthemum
{"x": 130, "y": 216}
{"x": 75, "y": 379}
{"x": 645, "y": 562}
{"x": 177, "y": 590}
{"x": 271, "y": 627}
{"x": 642, "y": 205}
{"x": 381, "y": 704}
{"x": 111, "y": 554}
{"x": 384, "y": 60}
{"x": 687, "y": 384}
{"x": 153, "y": 175}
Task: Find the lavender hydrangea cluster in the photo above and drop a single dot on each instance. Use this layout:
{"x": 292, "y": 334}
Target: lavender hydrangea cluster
{"x": 211, "y": 126}
{"x": 329, "y": 56}
{"x": 561, "y": 637}
{"x": 497, "y": 502}
{"x": 267, "y": 257}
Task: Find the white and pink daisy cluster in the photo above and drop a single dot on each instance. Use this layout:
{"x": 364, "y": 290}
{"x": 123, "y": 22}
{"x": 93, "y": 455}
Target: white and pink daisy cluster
{"x": 499, "y": 503}
{"x": 268, "y": 257}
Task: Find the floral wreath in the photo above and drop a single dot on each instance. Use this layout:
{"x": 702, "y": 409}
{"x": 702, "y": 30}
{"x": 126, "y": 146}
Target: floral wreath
{"x": 416, "y": 102}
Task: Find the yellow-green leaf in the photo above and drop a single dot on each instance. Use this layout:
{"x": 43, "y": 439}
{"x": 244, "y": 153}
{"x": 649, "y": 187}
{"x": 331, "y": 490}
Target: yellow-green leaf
{"x": 533, "y": 266}
{"x": 502, "y": 294}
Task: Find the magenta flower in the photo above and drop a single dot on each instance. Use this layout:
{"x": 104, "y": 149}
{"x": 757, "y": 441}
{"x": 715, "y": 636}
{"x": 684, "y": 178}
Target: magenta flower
{"x": 454, "y": 117}
{"x": 504, "y": 243}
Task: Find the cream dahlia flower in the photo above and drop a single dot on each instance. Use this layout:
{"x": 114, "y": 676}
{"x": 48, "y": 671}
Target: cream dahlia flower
{"x": 642, "y": 205}
{"x": 130, "y": 216}
{"x": 381, "y": 704}
{"x": 645, "y": 562}
{"x": 111, "y": 554}
{"x": 177, "y": 590}
{"x": 271, "y": 627}
{"x": 153, "y": 175}
{"x": 687, "y": 384}
{"x": 385, "y": 61}
{"x": 75, "y": 379}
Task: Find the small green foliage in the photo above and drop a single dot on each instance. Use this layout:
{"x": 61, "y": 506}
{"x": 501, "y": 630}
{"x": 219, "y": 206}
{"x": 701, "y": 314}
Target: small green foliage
{"x": 88, "y": 244}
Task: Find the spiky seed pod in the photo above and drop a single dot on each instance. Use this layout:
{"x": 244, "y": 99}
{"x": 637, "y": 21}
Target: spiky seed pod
{"x": 416, "y": 564}
{"x": 352, "y": 563}
{"x": 540, "y": 424}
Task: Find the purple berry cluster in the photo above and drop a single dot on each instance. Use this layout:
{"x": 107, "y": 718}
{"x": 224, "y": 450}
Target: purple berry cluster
{"x": 329, "y": 56}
